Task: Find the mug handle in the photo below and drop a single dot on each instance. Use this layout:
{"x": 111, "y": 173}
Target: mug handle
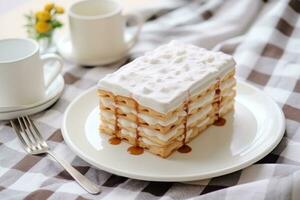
{"x": 139, "y": 21}
{"x": 52, "y": 57}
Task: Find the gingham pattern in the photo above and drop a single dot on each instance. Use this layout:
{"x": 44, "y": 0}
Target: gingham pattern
{"x": 264, "y": 38}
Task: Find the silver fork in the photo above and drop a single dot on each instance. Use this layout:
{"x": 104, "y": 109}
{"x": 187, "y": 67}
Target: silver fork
{"x": 34, "y": 144}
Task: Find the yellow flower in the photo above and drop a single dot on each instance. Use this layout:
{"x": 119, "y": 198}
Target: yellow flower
{"x": 48, "y": 7}
{"x": 59, "y": 9}
{"x": 43, "y": 16}
{"x": 42, "y": 27}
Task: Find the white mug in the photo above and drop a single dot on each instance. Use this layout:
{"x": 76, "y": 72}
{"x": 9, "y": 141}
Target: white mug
{"x": 22, "y": 78}
{"x": 97, "y": 31}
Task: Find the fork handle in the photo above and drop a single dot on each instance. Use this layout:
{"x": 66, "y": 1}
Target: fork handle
{"x": 89, "y": 186}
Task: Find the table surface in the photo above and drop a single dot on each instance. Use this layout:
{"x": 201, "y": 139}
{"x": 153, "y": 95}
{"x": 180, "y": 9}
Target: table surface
{"x": 265, "y": 45}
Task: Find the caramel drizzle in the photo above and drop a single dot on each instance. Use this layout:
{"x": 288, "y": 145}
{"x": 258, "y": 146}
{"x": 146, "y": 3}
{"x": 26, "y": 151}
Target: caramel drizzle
{"x": 185, "y": 148}
{"x": 217, "y": 99}
{"x": 136, "y": 149}
{"x": 137, "y": 124}
{"x": 116, "y": 115}
{"x": 186, "y": 109}
{"x": 115, "y": 140}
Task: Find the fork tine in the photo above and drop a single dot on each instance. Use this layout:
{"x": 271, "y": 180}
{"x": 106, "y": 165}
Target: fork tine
{"x": 41, "y": 142}
{"x": 37, "y": 132}
{"x": 29, "y": 128}
{"x": 23, "y": 133}
{"x": 28, "y": 132}
{"x": 17, "y": 130}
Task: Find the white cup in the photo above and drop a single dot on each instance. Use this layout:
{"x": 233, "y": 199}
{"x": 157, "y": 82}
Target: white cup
{"x": 22, "y": 78}
{"x": 97, "y": 31}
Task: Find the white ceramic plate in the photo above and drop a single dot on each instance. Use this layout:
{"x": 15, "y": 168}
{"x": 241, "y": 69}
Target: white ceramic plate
{"x": 52, "y": 95}
{"x": 251, "y": 132}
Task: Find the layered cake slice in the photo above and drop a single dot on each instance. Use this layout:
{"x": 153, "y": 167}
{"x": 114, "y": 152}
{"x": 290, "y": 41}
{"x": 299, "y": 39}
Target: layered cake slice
{"x": 166, "y": 98}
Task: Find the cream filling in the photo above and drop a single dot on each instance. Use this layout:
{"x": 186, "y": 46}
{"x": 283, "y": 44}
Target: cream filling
{"x": 208, "y": 98}
{"x": 189, "y": 133}
{"x": 201, "y": 90}
{"x": 204, "y": 122}
{"x": 153, "y": 121}
{"x": 127, "y": 110}
{"x": 228, "y": 93}
{"x": 227, "y": 84}
{"x": 225, "y": 107}
{"x": 126, "y": 123}
{"x": 110, "y": 126}
{"x": 157, "y": 134}
{"x": 147, "y": 141}
{"x": 108, "y": 115}
{"x": 107, "y": 102}
{"x": 226, "y": 73}
{"x": 199, "y": 115}
{"x": 128, "y": 133}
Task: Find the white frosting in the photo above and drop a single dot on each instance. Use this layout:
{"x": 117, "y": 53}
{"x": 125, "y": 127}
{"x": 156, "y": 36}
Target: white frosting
{"x": 205, "y": 100}
{"x": 162, "y": 137}
{"x": 128, "y": 133}
{"x": 164, "y": 78}
{"x": 127, "y": 110}
{"x": 108, "y": 115}
{"x": 153, "y": 121}
{"x": 107, "y": 102}
{"x": 126, "y": 123}
{"x": 199, "y": 115}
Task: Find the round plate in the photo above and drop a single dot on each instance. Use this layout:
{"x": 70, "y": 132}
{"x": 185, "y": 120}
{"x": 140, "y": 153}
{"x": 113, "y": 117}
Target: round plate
{"x": 52, "y": 95}
{"x": 252, "y": 131}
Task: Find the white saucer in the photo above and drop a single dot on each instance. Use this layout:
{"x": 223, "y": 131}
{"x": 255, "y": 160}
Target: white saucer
{"x": 52, "y": 95}
{"x": 251, "y": 132}
{"x": 65, "y": 49}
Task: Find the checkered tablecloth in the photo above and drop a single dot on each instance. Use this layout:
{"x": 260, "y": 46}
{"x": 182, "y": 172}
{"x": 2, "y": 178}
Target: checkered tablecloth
{"x": 264, "y": 38}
